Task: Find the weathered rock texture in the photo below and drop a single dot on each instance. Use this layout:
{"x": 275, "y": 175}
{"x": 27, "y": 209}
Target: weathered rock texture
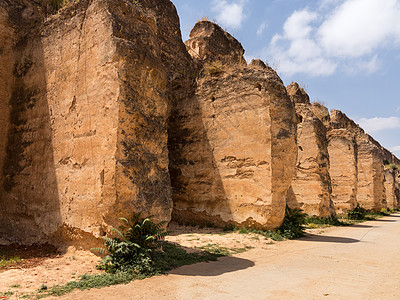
{"x": 88, "y": 95}
{"x": 7, "y": 40}
{"x": 311, "y": 187}
{"x": 392, "y": 188}
{"x": 104, "y": 112}
{"x": 232, "y": 145}
{"x": 210, "y": 44}
{"x": 357, "y": 169}
{"x": 370, "y": 190}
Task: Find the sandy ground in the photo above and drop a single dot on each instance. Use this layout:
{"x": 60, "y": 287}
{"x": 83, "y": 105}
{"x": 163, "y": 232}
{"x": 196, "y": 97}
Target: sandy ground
{"x": 358, "y": 262}
{"x": 53, "y": 271}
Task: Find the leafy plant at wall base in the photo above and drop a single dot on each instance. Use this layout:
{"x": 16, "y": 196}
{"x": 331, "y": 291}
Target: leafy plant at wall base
{"x": 331, "y": 220}
{"x": 293, "y": 224}
{"x": 358, "y": 213}
{"x": 384, "y": 212}
{"x": 171, "y": 257}
{"x": 134, "y": 246}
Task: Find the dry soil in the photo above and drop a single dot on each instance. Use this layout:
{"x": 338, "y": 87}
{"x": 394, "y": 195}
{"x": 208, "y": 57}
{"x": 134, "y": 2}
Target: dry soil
{"x": 357, "y": 262}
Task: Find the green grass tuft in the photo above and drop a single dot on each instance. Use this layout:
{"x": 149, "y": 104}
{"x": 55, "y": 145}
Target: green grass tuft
{"x": 5, "y": 262}
{"x": 171, "y": 257}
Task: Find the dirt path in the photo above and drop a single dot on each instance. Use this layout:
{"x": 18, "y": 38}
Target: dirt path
{"x": 358, "y": 262}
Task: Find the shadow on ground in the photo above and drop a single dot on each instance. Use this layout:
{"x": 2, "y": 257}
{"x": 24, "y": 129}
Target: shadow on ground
{"x": 223, "y": 265}
{"x": 328, "y": 239}
{"x": 362, "y": 226}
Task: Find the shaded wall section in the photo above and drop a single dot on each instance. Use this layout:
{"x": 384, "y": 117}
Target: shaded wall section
{"x": 7, "y": 39}
{"x": 224, "y": 166}
{"x": 357, "y": 164}
{"x": 29, "y": 200}
{"x": 343, "y": 169}
{"x": 311, "y": 187}
{"x": 232, "y": 145}
{"x": 89, "y": 99}
{"x": 392, "y": 188}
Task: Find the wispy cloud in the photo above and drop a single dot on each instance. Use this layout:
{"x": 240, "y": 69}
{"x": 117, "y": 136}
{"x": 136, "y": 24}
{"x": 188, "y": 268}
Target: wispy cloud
{"x": 261, "y": 28}
{"x": 229, "y": 14}
{"x": 357, "y": 27}
{"x": 376, "y": 124}
{"x": 369, "y": 65}
{"x": 395, "y": 149}
{"x": 343, "y": 34}
{"x": 296, "y": 50}
{"x": 327, "y": 4}
{"x": 398, "y": 109}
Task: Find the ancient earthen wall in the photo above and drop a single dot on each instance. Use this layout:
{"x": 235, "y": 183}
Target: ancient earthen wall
{"x": 311, "y": 187}
{"x": 371, "y": 190}
{"x": 7, "y": 40}
{"x": 367, "y": 164}
{"x": 233, "y": 143}
{"x": 87, "y": 136}
{"x": 104, "y": 112}
{"x": 28, "y": 194}
{"x": 392, "y": 188}
{"x": 342, "y": 150}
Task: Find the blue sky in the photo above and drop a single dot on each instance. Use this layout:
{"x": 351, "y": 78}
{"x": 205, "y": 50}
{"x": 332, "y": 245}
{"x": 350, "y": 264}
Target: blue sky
{"x": 344, "y": 53}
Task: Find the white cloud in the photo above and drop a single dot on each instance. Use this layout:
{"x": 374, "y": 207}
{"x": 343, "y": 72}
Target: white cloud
{"x": 261, "y": 28}
{"x": 366, "y": 66}
{"x": 229, "y": 14}
{"x": 302, "y": 54}
{"x": 326, "y": 4}
{"x": 297, "y": 26}
{"x": 378, "y": 124}
{"x": 339, "y": 34}
{"x": 357, "y": 27}
{"x": 395, "y": 149}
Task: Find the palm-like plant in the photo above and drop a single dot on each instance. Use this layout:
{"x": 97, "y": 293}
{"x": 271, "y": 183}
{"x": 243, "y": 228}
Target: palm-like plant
{"x": 292, "y": 226}
{"x": 133, "y": 246}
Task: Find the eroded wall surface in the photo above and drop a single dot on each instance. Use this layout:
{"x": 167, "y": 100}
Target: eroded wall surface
{"x": 343, "y": 169}
{"x": 28, "y": 194}
{"x": 88, "y": 100}
{"x": 104, "y": 112}
{"x": 357, "y": 168}
{"x": 7, "y": 40}
{"x": 311, "y": 187}
{"x": 392, "y": 188}
{"x": 233, "y": 145}
{"x": 371, "y": 190}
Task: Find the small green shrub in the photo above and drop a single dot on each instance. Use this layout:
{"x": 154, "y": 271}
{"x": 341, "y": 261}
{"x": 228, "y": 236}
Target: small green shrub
{"x": 292, "y": 227}
{"x": 358, "y": 213}
{"x": 331, "y": 220}
{"x": 293, "y": 224}
{"x": 4, "y": 261}
{"x": 134, "y": 247}
{"x": 229, "y": 227}
{"x": 384, "y": 212}
{"x": 134, "y": 254}
{"x": 171, "y": 257}
{"x": 5, "y": 295}
{"x": 223, "y": 251}
{"x": 275, "y": 235}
